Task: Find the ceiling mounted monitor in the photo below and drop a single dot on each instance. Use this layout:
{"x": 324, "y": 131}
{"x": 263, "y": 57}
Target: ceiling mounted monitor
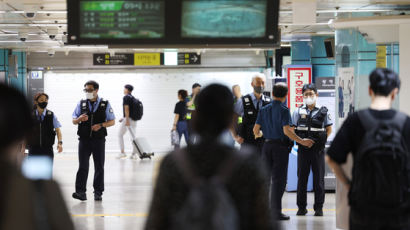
{"x": 176, "y": 23}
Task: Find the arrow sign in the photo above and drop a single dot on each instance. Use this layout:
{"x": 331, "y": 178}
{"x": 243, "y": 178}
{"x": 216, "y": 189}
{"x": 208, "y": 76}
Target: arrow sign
{"x": 100, "y": 59}
{"x": 189, "y": 59}
{"x": 117, "y": 59}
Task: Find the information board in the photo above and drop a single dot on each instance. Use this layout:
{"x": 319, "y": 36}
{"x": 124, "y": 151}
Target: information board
{"x": 297, "y": 77}
{"x": 174, "y": 24}
{"x": 122, "y": 19}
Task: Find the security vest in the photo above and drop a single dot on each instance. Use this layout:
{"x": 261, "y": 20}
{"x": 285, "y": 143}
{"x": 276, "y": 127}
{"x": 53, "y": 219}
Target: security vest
{"x": 97, "y": 117}
{"x": 44, "y": 134}
{"x": 250, "y": 114}
{"x": 312, "y": 127}
{"x": 190, "y": 109}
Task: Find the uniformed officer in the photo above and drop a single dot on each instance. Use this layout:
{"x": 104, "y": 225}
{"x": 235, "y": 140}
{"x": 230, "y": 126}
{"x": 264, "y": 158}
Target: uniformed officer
{"x": 314, "y": 122}
{"x": 190, "y": 103}
{"x": 248, "y": 108}
{"x": 93, "y": 116}
{"x": 46, "y": 126}
{"x": 275, "y": 121}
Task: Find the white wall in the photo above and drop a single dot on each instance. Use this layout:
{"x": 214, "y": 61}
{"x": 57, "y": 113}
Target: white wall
{"x": 157, "y": 89}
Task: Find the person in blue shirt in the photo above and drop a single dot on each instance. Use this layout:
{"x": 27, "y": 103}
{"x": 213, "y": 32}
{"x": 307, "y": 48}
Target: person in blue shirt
{"x": 46, "y": 127}
{"x": 92, "y": 116}
{"x": 275, "y": 122}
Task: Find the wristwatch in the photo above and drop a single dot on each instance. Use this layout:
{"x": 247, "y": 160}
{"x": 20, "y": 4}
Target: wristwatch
{"x": 60, "y": 142}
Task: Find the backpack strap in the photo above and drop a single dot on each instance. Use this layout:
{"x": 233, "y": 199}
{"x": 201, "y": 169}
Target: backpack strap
{"x": 369, "y": 122}
{"x": 180, "y": 157}
{"x": 223, "y": 173}
{"x": 366, "y": 118}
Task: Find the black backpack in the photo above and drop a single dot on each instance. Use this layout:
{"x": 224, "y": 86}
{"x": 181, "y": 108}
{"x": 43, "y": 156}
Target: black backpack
{"x": 138, "y": 109}
{"x": 381, "y": 170}
{"x": 208, "y": 204}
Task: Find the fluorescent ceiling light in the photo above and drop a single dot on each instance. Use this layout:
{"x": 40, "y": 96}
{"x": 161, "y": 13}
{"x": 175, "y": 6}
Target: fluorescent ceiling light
{"x": 32, "y": 25}
{"x": 339, "y": 11}
{"x": 33, "y": 11}
{"x": 170, "y": 58}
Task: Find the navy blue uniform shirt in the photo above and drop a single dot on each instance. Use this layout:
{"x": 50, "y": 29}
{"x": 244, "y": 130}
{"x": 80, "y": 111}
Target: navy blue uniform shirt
{"x": 272, "y": 118}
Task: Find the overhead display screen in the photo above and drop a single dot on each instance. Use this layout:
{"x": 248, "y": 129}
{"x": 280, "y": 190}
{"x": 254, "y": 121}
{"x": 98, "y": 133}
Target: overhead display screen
{"x": 122, "y": 19}
{"x": 223, "y": 19}
{"x": 174, "y": 23}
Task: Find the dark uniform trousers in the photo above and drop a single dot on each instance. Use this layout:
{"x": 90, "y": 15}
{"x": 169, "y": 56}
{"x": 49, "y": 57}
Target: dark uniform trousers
{"x": 276, "y": 156}
{"x": 257, "y": 145}
{"x": 311, "y": 159}
{"x": 86, "y": 147}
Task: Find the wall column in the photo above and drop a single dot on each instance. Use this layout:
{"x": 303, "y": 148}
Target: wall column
{"x": 404, "y": 43}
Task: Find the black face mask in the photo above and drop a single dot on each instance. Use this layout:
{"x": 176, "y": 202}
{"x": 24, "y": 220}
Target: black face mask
{"x": 42, "y": 105}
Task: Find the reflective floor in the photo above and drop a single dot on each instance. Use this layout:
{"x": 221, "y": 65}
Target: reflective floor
{"x": 128, "y": 185}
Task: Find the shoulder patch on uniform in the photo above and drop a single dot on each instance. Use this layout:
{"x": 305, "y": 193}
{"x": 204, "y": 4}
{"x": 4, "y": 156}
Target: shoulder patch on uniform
{"x": 111, "y": 111}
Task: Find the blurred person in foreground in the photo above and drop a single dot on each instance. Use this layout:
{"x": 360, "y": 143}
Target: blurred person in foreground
{"x": 234, "y": 182}
{"x": 24, "y": 204}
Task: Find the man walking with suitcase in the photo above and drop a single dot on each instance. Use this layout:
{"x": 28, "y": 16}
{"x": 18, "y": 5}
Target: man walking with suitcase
{"x": 129, "y": 121}
{"x": 379, "y": 139}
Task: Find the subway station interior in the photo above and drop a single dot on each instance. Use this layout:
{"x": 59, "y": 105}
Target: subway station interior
{"x": 160, "y": 47}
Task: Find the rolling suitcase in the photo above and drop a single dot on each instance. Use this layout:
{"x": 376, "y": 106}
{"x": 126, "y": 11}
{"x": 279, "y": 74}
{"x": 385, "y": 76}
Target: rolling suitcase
{"x": 141, "y": 146}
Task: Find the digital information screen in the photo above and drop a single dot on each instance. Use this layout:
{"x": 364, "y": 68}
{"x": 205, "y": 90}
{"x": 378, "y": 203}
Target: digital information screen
{"x": 122, "y": 19}
{"x": 223, "y": 19}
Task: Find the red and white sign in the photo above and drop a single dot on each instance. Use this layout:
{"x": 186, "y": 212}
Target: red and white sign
{"x": 297, "y": 77}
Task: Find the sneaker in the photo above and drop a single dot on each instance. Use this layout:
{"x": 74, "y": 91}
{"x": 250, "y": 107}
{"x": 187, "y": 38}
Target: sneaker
{"x": 121, "y": 155}
{"x": 319, "y": 212}
{"x": 283, "y": 217}
{"x": 301, "y": 212}
{"x": 80, "y": 196}
{"x": 97, "y": 197}
{"x": 133, "y": 156}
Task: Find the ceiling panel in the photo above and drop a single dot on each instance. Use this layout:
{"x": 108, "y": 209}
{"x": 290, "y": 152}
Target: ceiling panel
{"x": 52, "y": 13}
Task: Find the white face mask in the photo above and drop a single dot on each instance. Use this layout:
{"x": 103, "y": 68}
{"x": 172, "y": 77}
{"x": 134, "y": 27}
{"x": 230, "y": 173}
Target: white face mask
{"x": 310, "y": 100}
{"x": 89, "y": 96}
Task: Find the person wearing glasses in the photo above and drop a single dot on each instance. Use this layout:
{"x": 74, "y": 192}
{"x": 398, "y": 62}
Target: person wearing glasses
{"x": 313, "y": 122}
{"x": 92, "y": 116}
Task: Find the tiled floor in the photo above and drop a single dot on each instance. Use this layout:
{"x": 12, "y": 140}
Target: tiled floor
{"x": 128, "y": 185}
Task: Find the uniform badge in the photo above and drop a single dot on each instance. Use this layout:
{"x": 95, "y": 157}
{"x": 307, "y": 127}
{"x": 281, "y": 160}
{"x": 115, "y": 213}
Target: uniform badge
{"x": 49, "y": 113}
{"x": 111, "y": 111}
{"x": 246, "y": 99}
{"x": 303, "y": 116}
{"x": 250, "y": 112}
{"x": 83, "y": 104}
{"x": 102, "y": 105}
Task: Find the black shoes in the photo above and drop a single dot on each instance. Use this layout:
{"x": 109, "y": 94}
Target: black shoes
{"x": 80, "y": 196}
{"x": 319, "y": 212}
{"x": 301, "y": 212}
{"x": 97, "y": 197}
{"x": 283, "y": 217}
